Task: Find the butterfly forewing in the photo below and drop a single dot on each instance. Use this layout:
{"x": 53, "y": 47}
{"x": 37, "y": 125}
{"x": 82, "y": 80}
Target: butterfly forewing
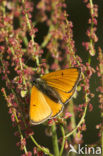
{"x": 39, "y": 108}
{"x": 42, "y": 107}
{"x": 64, "y": 80}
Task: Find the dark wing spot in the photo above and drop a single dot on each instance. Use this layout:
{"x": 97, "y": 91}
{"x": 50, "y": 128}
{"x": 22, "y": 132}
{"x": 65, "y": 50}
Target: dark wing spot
{"x": 34, "y": 105}
{"x": 62, "y": 73}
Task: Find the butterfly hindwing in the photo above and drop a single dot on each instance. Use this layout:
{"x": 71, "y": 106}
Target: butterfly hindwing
{"x": 56, "y": 107}
{"x": 64, "y": 96}
{"x": 64, "y": 80}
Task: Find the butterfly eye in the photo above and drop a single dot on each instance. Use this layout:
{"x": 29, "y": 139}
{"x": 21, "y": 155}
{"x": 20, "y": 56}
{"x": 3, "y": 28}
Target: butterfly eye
{"x": 35, "y": 78}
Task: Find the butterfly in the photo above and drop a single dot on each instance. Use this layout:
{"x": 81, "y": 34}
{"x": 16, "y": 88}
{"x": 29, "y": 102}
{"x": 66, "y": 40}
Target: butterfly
{"x": 50, "y": 92}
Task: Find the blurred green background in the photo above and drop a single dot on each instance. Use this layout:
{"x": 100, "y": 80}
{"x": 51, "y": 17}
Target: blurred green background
{"x": 78, "y": 14}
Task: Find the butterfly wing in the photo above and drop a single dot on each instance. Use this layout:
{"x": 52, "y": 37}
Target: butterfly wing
{"x": 64, "y": 80}
{"x": 64, "y": 96}
{"x": 39, "y": 108}
{"x": 42, "y": 107}
{"x": 56, "y": 107}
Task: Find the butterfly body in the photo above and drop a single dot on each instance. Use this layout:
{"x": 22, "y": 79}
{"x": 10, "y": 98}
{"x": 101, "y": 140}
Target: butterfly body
{"x": 47, "y": 90}
{"x": 50, "y": 92}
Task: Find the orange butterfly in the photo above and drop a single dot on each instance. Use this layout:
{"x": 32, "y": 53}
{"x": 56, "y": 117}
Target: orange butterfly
{"x": 50, "y": 92}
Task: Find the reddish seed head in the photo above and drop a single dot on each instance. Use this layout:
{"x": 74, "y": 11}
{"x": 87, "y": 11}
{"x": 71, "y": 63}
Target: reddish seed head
{"x": 67, "y": 115}
{"x": 35, "y": 150}
{"x": 23, "y": 143}
{"x": 90, "y": 107}
{"x": 50, "y": 122}
{"x": 66, "y": 145}
{"x": 29, "y": 132}
{"x": 78, "y": 138}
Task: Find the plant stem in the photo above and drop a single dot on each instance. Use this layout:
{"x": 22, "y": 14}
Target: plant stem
{"x": 47, "y": 38}
{"x": 80, "y": 122}
{"x": 45, "y": 150}
{"x": 71, "y": 109}
{"x": 55, "y": 140}
{"x": 102, "y": 141}
{"x": 19, "y": 129}
{"x": 63, "y": 141}
{"x": 101, "y": 71}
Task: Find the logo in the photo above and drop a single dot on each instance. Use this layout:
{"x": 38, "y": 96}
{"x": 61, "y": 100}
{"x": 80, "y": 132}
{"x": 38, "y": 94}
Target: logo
{"x": 85, "y": 150}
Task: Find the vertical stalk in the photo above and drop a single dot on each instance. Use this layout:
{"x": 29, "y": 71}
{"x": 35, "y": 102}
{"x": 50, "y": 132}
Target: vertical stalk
{"x": 73, "y": 121}
{"x": 102, "y": 141}
{"x": 102, "y": 116}
{"x": 55, "y": 140}
{"x": 71, "y": 109}
{"x": 63, "y": 141}
{"x": 100, "y": 57}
